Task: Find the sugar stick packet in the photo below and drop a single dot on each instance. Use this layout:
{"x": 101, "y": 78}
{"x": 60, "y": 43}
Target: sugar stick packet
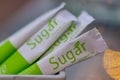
{"x": 38, "y": 43}
{"x": 11, "y": 44}
{"x": 87, "y": 45}
{"x": 84, "y": 19}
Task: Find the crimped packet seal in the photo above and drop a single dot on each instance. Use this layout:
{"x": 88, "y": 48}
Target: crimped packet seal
{"x": 97, "y": 41}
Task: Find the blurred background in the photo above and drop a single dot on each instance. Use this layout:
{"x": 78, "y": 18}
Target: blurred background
{"x": 15, "y": 14}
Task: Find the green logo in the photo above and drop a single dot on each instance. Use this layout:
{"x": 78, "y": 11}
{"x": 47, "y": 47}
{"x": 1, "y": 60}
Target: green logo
{"x": 44, "y": 34}
{"x": 70, "y": 55}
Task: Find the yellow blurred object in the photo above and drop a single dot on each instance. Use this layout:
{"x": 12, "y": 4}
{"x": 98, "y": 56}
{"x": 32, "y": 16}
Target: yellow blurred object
{"x": 112, "y": 63}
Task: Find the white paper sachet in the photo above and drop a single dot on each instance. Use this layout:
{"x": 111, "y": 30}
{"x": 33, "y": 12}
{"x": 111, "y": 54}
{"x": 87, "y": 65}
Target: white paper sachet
{"x": 35, "y": 46}
{"x": 87, "y": 45}
{"x": 11, "y": 44}
{"x": 76, "y": 27}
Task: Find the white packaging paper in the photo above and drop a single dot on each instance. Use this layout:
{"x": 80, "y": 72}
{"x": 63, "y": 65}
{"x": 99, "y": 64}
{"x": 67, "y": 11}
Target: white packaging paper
{"x": 87, "y": 45}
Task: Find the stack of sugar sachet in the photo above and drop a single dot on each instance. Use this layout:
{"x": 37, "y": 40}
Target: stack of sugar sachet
{"x": 50, "y": 43}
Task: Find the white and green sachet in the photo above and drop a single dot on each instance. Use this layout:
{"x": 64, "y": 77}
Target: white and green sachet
{"x": 75, "y": 29}
{"x": 11, "y": 44}
{"x": 33, "y": 48}
{"x": 87, "y": 45}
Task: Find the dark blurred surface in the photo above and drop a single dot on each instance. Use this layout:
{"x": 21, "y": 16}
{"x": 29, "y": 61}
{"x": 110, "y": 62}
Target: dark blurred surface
{"x": 17, "y": 13}
{"x": 7, "y": 7}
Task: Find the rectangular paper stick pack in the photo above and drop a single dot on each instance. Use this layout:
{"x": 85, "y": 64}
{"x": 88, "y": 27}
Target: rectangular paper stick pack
{"x": 84, "y": 19}
{"x": 87, "y": 45}
{"x": 11, "y": 44}
{"x": 33, "y": 48}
